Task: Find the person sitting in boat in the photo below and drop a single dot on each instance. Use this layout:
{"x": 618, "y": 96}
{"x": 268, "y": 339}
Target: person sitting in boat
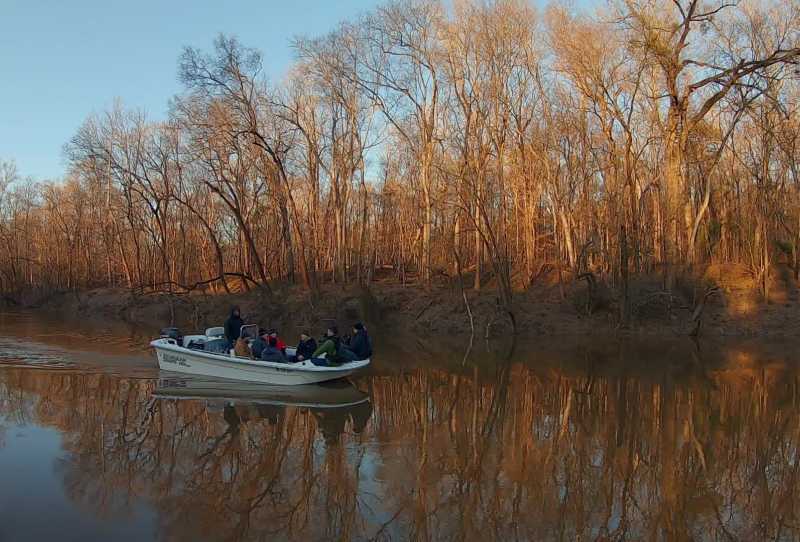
{"x": 272, "y": 353}
{"x": 233, "y": 326}
{"x": 281, "y": 345}
{"x": 305, "y": 348}
{"x": 360, "y": 344}
{"x": 260, "y": 343}
{"x": 241, "y": 349}
{"x": 328, "y": 345}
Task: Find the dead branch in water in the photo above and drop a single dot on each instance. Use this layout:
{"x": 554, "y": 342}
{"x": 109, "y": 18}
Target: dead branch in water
{"x": 457, "y": 258}
{"x": 591, "y": 282}
{"x": 426, "y": 307}
{"x": 500, "y": 312}
{"x": 696, "y": 311}
{"x": 696, "y": 320}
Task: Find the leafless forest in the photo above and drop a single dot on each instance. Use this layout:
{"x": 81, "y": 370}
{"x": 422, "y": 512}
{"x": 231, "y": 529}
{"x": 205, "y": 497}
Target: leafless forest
{"x": 489, "y": 142}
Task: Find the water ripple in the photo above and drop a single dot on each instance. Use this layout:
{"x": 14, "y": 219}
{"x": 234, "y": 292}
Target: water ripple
{"x": 14, "y": 353}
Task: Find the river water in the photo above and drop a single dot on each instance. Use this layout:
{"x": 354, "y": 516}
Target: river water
{"x": 557, "y": 441}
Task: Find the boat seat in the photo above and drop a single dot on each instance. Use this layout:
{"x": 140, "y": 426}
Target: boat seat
{"x": 196, "y": 345}
{"x": 218, "y": 331}
{"x": 217, "y": 346}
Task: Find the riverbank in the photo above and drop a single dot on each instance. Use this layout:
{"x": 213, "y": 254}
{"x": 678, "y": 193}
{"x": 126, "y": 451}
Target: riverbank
{"x": 734, "y": 307}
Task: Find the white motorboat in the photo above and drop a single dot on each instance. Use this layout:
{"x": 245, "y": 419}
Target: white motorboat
{"x": 175, "y": 355}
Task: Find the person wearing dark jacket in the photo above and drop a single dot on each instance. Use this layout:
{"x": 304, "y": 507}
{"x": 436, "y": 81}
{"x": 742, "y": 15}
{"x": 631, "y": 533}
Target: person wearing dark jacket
{"x": 233, "y": 326}
{"x": 306, "y": 347}
{"x": 260, "y": 343}
{"x": 272, "y": 353}
{"x": 360, "y": 344}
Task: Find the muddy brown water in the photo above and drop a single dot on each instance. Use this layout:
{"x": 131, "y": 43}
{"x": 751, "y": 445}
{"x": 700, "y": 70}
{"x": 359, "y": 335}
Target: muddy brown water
{"x": 558, "y": 439}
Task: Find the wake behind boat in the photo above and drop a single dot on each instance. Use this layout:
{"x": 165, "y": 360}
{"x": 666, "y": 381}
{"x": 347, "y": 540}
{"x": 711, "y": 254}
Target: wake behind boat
{"x": 189, "y": 354}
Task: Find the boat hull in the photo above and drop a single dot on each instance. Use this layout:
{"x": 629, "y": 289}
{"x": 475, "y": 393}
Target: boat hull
{"x": 174, "y": 358}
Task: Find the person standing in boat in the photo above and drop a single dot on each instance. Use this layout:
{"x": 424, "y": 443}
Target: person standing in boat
{"x": 233, "y": 326}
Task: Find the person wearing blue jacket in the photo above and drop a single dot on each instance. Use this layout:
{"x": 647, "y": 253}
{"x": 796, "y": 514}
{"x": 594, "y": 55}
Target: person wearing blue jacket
{"x": 260, "y": 343}
{"x": 272, "y": 353}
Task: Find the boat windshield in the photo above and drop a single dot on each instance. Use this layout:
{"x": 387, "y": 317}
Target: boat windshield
{"x": 250, "y": 331}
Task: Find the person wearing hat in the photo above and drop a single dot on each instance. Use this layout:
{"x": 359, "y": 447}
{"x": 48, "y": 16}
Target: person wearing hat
{"x": 260, "y": 343}
{"x": 360, "y": 344}
{"x": 233, "y": 326}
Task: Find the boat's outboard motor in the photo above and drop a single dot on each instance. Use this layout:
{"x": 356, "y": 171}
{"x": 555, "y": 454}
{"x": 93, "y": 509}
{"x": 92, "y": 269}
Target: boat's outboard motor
{"x": 172, "y": 333}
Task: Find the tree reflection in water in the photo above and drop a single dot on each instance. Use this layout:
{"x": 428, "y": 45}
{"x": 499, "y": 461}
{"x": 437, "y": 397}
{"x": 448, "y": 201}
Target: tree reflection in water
{"x": 512, "y": 453}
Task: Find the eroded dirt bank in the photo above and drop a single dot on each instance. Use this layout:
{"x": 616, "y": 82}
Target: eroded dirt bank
{"x": 736, "y": 308}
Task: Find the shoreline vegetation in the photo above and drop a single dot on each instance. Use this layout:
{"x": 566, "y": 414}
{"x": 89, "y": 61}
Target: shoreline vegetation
{"x": 736, "y": 309}
{"x": 479, "y": 169}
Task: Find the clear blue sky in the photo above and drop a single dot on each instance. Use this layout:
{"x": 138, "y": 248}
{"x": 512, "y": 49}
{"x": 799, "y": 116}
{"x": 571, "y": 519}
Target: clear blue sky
{"x": 61, "y": 60}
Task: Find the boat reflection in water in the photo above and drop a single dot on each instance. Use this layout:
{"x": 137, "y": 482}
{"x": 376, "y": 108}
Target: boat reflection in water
{"x": 333, "y": 403}
{"x": 334, "y": 394}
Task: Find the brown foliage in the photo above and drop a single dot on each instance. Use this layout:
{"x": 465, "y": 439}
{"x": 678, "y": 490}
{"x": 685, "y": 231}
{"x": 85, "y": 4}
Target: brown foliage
{"x": 478, "y": 140}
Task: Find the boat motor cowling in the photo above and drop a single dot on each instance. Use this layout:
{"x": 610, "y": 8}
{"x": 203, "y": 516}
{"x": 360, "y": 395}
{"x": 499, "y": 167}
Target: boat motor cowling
{"x": 171, "y": 333}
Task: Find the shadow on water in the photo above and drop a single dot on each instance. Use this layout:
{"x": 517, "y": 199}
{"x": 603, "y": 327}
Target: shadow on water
{"x": 556, "y": 440}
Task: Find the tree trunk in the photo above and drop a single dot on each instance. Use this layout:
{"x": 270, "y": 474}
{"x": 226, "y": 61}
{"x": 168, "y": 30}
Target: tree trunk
{"x": 427, "y": 226}
{"x": 673, "y": 198}
{"x": 478, "y": 250}
{"x": 623, "y": 264}
{"x": 286, "y": 234}
{"x": 567, "y": 234}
